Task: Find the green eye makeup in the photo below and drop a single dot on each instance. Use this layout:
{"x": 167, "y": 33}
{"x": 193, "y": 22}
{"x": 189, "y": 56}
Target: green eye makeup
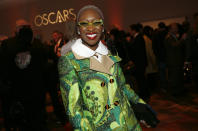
{"x": 94, "y": 23}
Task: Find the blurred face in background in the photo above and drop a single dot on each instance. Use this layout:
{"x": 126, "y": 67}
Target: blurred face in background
{"x": 20, "y": 23}
{"x": 174, "y": 28}
{"x": 25, "y": 35}
{"x": 132, "y": 32}
{"x": 90, "y": 27}
{"x": 55, "y": 36}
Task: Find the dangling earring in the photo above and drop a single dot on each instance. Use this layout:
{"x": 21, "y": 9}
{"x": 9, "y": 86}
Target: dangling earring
{"x": 78, "y": 32}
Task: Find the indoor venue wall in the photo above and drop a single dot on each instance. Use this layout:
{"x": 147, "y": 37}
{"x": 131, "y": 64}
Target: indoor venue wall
{"x": 120, "y": 13}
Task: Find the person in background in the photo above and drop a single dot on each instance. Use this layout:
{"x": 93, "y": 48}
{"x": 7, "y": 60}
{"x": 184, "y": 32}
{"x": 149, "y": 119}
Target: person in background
{"x": 138, "y": 57}
{"x": 92, "y": 84}
{"x": 2, "y": 38}
{"x": 151, "y": 68}
{"x": 174, "y": 60}
{"x": 192, "y": 50}
{"x": 23, "y": 61}
{"x": 58, "y": 41}
{"x": 160, "y": 52}
{"x": 52, "y": 79}
{"x": 118, "y": 42}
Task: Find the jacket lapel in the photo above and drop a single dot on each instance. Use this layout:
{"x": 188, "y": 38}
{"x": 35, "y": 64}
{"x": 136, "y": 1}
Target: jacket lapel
{"x": 104, "y": 66}
{"x": 93, "y": 64}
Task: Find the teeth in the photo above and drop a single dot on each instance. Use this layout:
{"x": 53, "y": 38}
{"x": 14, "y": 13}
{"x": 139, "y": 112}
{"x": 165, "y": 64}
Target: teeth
{"x": 92, "y": 35}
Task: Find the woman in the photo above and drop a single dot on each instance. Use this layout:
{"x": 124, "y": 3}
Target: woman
{"x": 92, "y": 84}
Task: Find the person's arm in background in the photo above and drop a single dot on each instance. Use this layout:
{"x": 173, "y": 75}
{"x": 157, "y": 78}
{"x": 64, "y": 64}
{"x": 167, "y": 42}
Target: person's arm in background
{"x": 71, "y": 95}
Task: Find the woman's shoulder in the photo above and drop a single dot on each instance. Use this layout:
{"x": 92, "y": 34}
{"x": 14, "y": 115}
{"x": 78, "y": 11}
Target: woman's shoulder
{"x": 67, "y": 47}
{"x": 68, "y": 55}
{"x": 64, "y": 63}
{"x": 66, "y": 58}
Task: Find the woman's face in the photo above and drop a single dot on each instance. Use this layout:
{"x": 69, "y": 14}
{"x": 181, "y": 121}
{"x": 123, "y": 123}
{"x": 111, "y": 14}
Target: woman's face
{"x": 90, "y": 26}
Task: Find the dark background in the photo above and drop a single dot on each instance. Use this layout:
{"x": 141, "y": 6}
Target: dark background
{"x": 117, "y": 12}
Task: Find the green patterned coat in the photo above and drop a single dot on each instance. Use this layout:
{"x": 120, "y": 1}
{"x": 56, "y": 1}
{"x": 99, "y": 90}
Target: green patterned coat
{"x": 95, "y": 100}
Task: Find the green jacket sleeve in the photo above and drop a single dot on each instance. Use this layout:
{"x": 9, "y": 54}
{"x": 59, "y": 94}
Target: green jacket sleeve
{"x": 126, "y": 89}
{"x": 71, "y": 95}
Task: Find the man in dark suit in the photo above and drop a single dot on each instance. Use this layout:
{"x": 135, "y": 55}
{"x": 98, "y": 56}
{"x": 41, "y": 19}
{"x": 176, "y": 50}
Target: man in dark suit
{"x": 174, "y": 58}
{"x": 138, "y": 56}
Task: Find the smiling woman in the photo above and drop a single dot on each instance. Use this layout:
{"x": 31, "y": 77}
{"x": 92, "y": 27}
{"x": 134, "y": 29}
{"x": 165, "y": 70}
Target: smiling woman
{"x": 92, "y": 84}
{"x": 90, "y": 27}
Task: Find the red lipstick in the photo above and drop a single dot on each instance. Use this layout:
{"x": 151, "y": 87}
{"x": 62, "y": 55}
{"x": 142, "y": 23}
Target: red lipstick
{"x": 91, "y": 36}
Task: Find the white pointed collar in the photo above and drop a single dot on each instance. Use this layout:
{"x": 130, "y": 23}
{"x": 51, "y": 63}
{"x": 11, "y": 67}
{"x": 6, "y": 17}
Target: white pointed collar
{"x": 82, "y": 50}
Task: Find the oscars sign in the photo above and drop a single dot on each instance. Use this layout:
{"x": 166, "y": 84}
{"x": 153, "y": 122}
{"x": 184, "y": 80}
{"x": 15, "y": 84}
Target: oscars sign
{"x": 55, "y": 17}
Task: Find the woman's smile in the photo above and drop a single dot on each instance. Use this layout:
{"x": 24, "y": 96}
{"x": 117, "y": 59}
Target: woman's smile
{"x": 91, "y": 36}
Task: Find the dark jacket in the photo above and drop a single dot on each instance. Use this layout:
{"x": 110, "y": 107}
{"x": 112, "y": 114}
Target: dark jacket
{"x": 137, "y": 52}
{"x": 22, "y": 66}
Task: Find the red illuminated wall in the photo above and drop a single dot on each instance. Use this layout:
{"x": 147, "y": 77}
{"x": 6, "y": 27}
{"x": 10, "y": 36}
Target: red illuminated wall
{"x": 120, "y": 13}
{"x": 114, "y": 13}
